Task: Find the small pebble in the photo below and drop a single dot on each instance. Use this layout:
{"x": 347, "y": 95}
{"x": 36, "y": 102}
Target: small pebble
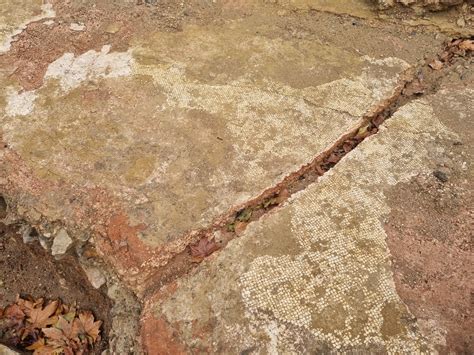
{"x": 113, "y": 28}
{"x": 77, "y": 26}
{"x": 61, "y": 243}
{"x": 441, "y": 176}
{"x": 461, "y": 22}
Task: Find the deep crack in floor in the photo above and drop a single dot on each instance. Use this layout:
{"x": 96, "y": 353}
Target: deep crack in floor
{"x": 420, "y": 81}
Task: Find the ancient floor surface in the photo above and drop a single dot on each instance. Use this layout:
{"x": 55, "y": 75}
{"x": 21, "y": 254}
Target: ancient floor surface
{"x": 132, "y": 133}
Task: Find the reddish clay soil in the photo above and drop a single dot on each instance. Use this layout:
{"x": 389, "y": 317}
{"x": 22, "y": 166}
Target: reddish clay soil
{"x": 430, "y": 236}
{"x": 40, "y": 44}
{"x": 430, "y": 230}
{"x": 118, "y": 23}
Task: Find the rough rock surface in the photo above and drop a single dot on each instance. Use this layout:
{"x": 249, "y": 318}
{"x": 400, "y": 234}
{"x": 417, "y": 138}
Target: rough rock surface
{"x": 130, "y": 130}
{"x": 315, "y": 275}
{"x": 431, "y": 4}
{"x": 61, "y": 243}
{"x": 6, "y": 351}
{"x": 141, "y": 147}
{"x": 95, "y": 276}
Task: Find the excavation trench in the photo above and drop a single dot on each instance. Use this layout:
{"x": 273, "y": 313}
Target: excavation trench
{"x": 418, "y": 82}
{"x": 29, "y": 271}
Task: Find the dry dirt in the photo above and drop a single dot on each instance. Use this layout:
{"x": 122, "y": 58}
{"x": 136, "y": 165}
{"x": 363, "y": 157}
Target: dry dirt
{"x": 430, "y": 236}
{"x": 430, "y": 239}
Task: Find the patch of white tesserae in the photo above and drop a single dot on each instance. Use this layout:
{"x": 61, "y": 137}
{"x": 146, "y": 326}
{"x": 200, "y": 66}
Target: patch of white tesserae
{"x": 343, "y": 267}
{"x": 77, "y": 26}
{"x": 71, "y": 71}
{"x": 20, "y": 104}
{"x": 392, "y": 62}
{"x": 47, "y": 12}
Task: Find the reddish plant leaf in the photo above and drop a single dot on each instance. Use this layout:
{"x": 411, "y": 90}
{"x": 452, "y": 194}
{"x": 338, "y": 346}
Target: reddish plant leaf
{"x": 333, "y": 158}
{"x": 14, "y": 314}
{"x": 48, "y": 350}
{"x": 53, "y": 329}
{"x": 91, "y": 327}
{"x": 467, "y": 44}
{"x": 40, "y": 318}
{"x": 319, "y": 170}
{"x": 27, "y": 305}
{"x": 70, "y": 351}
{"x": 37, "y": 344}
{"x": 203, "y": 248}
{"x": 66, "y": 327}
{"x": 54, "y": 334}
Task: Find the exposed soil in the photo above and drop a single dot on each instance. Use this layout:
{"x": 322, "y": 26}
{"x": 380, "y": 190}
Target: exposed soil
{"x": 40, "y": 44}
{"x": 430, "y": 236}
{"x": 430, "y": 239}
{"x": 29, "y": 269}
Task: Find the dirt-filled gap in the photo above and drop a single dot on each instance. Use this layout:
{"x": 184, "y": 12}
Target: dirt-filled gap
{"x": 30, "y": 272}
{"x": 422, "y": 81}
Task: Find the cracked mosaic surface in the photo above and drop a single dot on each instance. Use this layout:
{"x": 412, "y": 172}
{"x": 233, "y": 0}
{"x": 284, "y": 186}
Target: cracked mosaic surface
{"x": 164, "y": 124}
{"x": 316, "y": 273}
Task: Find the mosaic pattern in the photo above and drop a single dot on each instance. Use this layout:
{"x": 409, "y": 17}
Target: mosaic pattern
{"x": 340, "y": 286}
{"x": 214, "y": 135}
{"x": 316, "y": 273}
